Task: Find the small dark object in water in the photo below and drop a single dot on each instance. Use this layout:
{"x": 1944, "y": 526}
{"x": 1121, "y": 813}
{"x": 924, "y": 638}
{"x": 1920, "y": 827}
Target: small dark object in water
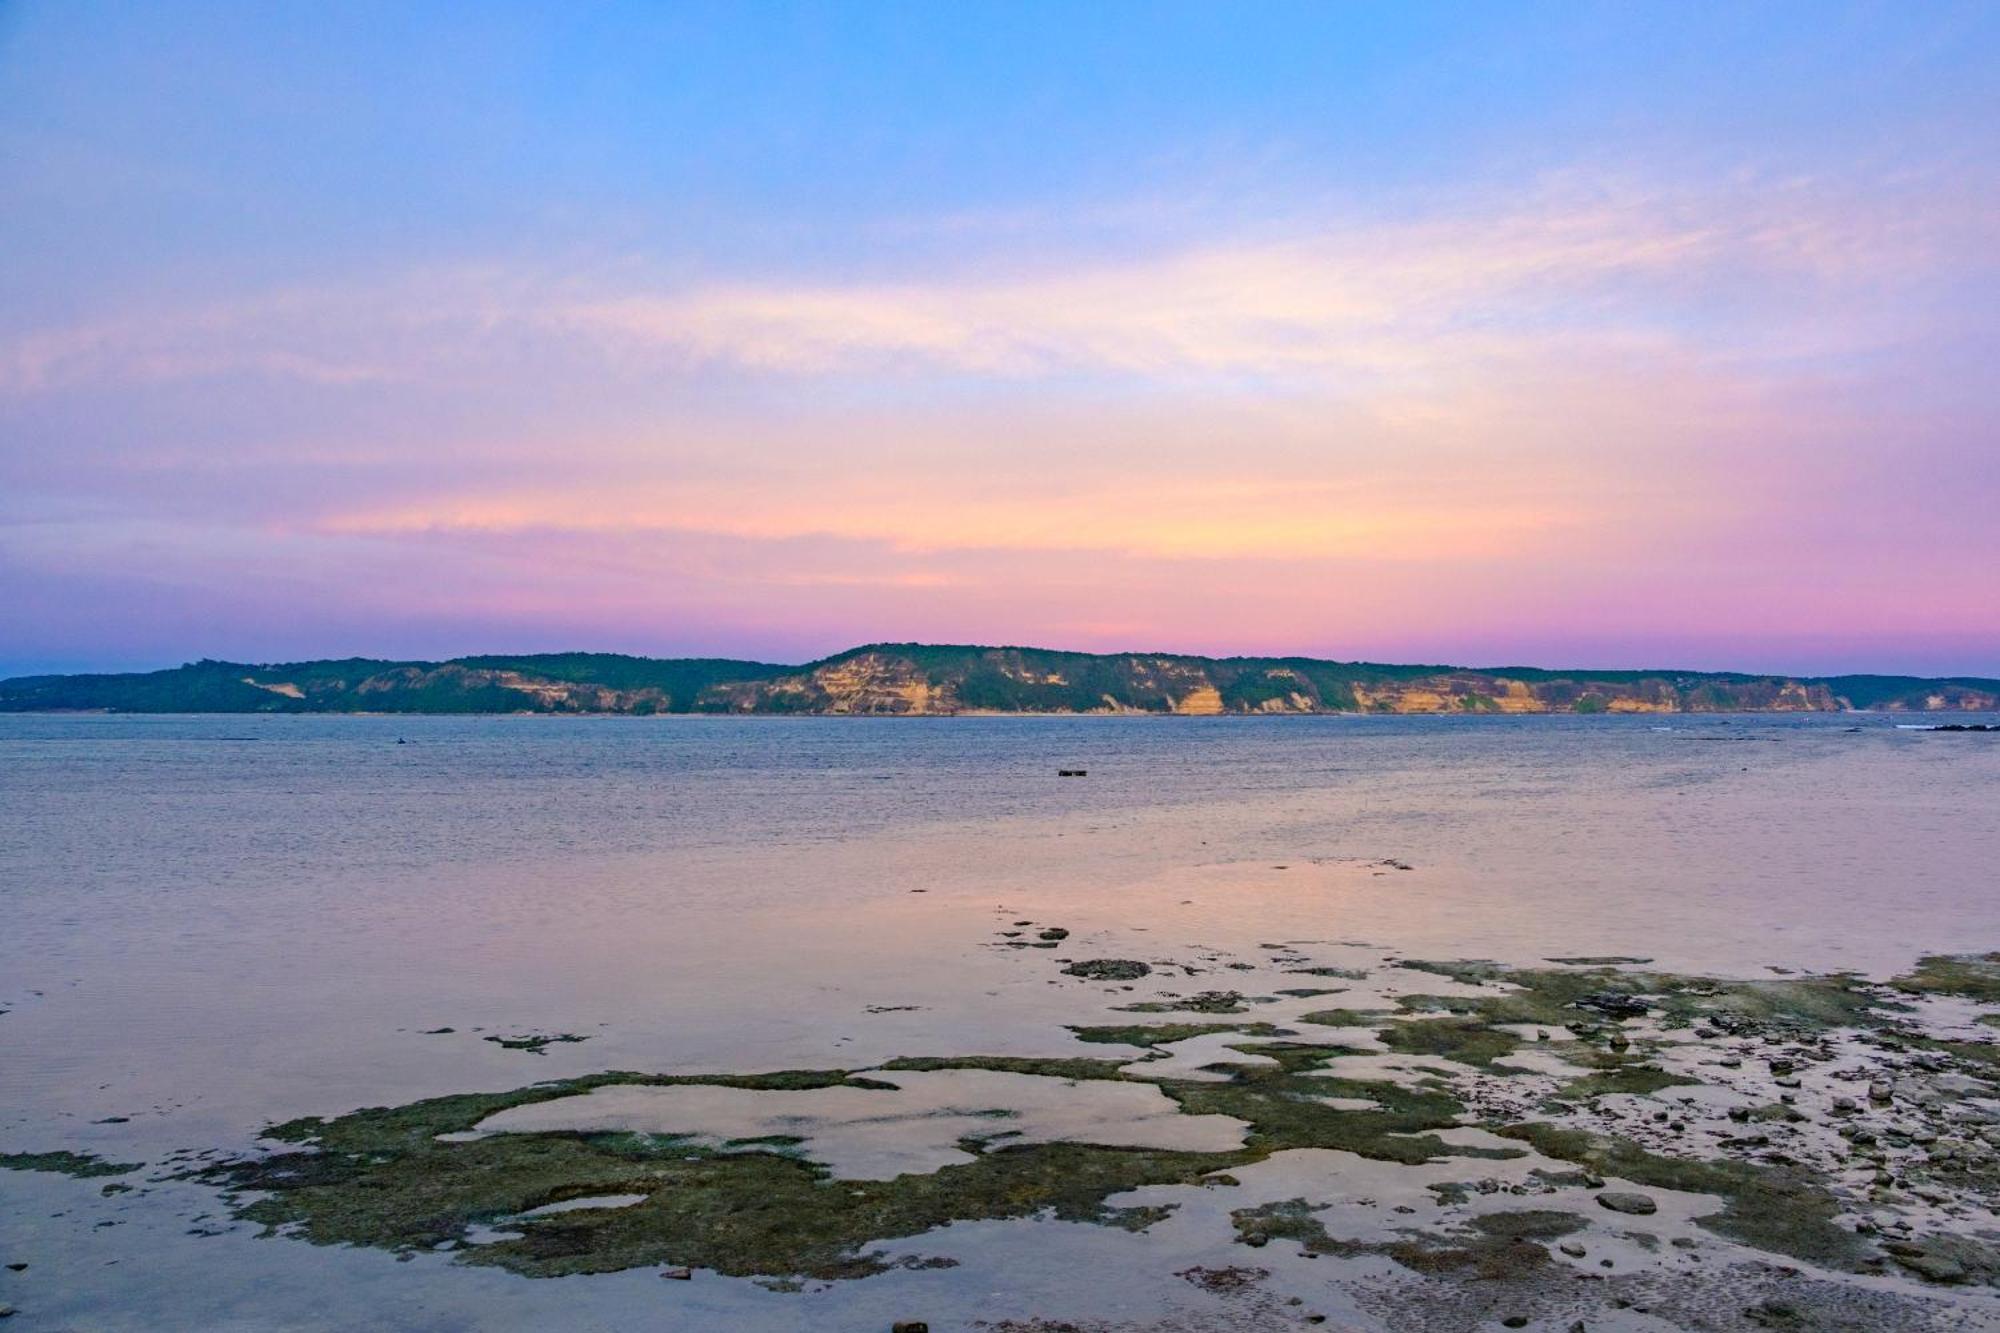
{"x": 1072, "y": 772}
{"x": 1966, "y": 726}
{"x": 909, "y": 1326}
{"x": 677, "y": 1274}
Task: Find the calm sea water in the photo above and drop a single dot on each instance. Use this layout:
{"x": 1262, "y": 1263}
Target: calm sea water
{"x": 215, "y": 922}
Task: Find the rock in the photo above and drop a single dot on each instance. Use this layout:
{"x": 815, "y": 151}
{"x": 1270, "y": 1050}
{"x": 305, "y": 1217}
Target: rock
{"x": 1614, "y": 1004}
{"x": 1625, "y": 1201}
{"x": 1224, "y": 1280}
{"x": 1572, "y": 1249}
{"x": 1936, "y": 1267}
{"x": 1845, "y": 1105}
{"x": 1108, "y": 969}
{"x": 677, "y": 1274}
{"x": 1053, "y": 933}
{"x": 909, "y": 1326}
{"x": 1514, "y": 1321}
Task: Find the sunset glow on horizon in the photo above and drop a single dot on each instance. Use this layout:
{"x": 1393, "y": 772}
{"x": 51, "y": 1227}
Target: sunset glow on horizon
{"x": 1612, "y": 336}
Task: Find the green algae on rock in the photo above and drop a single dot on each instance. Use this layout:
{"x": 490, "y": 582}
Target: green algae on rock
{"x": 1465, "y": 1041}
{"x": 1108, "y": 969}
{"x": 1206, "y": 1002}
{"x": 1344, "y": 1018}
{"x": 1163, "y": 1034}
{"x": 1530, "y": 1223}
{"x": 1780, "y": 1209}
{"x": 1293, "y": 1220}
{"x": 388, "y": 1177}
{"x": 1969, "y": 976}
{"x": 1637, "y": 1080}
{"x": 1497, "y": 1247}
{"x": 767, "y": 1206}
{"x": 79, "y": 1164}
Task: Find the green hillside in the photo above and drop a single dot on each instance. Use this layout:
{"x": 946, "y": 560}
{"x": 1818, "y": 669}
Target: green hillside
{"x": 909, "y": 678}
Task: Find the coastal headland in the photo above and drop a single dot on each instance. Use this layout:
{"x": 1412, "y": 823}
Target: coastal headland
{"x": 908, "y": 679}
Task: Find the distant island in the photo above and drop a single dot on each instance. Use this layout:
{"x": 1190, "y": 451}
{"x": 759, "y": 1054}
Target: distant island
{"x": 908, "y": 679}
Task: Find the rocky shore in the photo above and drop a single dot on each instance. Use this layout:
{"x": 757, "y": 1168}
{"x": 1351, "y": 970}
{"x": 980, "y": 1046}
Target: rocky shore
{"x": 1444, "y": 1144}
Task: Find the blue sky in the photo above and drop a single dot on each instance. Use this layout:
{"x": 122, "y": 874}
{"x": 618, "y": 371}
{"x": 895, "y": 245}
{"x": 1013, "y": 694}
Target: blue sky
{"x": 1609, "y": 335}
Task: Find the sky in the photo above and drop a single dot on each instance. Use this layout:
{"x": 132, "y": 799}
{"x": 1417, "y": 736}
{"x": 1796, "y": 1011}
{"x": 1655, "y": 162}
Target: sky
{"x": 1629, "y": 335}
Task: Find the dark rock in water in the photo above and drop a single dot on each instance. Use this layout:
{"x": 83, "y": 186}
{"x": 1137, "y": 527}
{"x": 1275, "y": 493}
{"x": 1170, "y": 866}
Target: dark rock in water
{"x": 1072, "y": 772}
{"x": 1223, "y": 1279}
{"x": 536, "y": 1043}
{"x": 1108, "y": 969}
{"x": 1614, "y": 1004}
{"x": 1054, "y": 933}
{"x": 909, "y": 1326}
{"x": 1966, "y": 726}
{"x": 1624, "y": 1201}
{"x": 677, "y": 1274}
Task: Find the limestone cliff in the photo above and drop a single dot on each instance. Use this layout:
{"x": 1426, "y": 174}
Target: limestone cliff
{"x": 927, "y": 679}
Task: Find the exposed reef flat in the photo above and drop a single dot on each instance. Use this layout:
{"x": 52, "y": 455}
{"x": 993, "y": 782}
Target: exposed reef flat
{"x": 1456, "y": 1142}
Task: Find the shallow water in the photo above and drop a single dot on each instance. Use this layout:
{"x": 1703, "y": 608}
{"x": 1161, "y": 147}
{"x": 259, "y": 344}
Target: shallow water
{"x": 918, "y": 1124}
{"x": 214, "y": 923}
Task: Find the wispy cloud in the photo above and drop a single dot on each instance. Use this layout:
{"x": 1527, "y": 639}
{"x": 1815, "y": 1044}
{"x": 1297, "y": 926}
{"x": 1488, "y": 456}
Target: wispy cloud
{"x": 1480, "y": 281}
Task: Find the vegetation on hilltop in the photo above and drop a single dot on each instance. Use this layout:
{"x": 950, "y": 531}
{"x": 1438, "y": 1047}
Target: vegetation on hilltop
{"x": 908, "y": 678}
